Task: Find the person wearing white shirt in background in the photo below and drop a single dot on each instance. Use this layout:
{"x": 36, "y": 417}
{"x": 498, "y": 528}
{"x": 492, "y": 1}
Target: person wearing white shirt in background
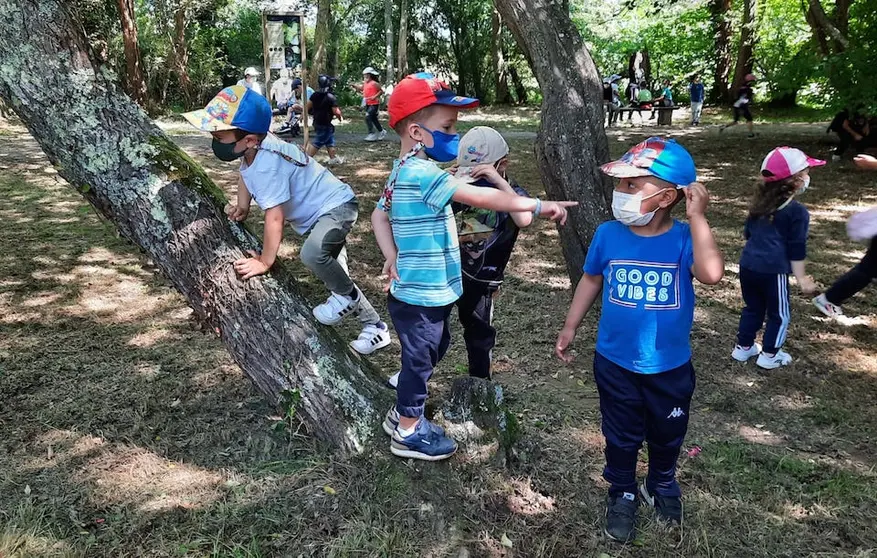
{"x": 249, "y": 81}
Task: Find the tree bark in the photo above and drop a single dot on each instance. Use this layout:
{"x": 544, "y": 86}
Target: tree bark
{"x": 181, "y": 52}
{"x": 822, "y": 26}
{"x": 159, "y": 198}
{"x": 571, "y": 144}
{"x": 322, "y": 37}
{"x": 135, "y": 84}
{"x": 502, "y": 96}
{"x": 388, "y": 34}
{"x": 721, "y": 21}
{"x": 520, "y": 90}
{"x": 402, "y": 48}
{"x": 748, "y": 37}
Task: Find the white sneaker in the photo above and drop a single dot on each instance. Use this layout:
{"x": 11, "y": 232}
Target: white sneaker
{"x": 371, "y": 137}
{"x": 336, "y": 308}
{"x": 338, "y": 160}
{"x": 743, "y": 355}
{"x": 372, "y": 338}
{"x": 393, "y": 381}
{"x": 827, "y": 308}
{"x": 781, "y": 358}
{"x": 391, "y": 421}
{"x": 382, "y": 135}
{"x": 835, "y": 158}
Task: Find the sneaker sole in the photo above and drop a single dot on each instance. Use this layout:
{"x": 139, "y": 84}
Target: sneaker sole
{"x": 616, "y": 539}
{"x": 744, "y": 359}
{"x": 389, "y": 427}
{"x": 773, "y": 366}
{"x": 328, "y": 322}
{"x": 374, "y": 348}
{"x": 402, "y": 451}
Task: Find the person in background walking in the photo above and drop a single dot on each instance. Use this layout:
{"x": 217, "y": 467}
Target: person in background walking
{"x": 371, "y": 93}
{"x": 695, "y": 89}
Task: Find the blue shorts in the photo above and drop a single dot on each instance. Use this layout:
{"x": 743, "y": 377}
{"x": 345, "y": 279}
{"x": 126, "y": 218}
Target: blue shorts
{"x": 324, "y": 136}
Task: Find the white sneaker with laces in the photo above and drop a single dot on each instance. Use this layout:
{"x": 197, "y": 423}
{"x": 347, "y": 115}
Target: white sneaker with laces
{"x": 382, "y": 135}
{"x": 371, "y": 137}
{"x": 372, "y": 338}
{"x": 742, "y": 354}
{"x": 829, "y": 309}
{"x": 393, "y": 381}
{"x": 769, "y": 362}
{"x": 338, "y": 160}
{"x": 336, "y": 308}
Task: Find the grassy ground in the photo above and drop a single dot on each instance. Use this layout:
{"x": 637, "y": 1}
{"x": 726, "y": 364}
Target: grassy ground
{"x": 125, "y": 431}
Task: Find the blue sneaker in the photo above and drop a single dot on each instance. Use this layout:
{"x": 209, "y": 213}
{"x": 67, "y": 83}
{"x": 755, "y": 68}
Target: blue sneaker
{"x": 427, "y": 442}
{"x": 391, "y": 421}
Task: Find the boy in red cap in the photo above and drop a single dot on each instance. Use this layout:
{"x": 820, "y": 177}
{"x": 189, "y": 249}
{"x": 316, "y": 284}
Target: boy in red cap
{"x": 415, "y": 228}
{"x": 645, "y": 263}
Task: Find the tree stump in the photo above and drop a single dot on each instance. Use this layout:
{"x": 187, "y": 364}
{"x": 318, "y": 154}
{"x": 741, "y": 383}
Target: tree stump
{"x": 665, "y": 117}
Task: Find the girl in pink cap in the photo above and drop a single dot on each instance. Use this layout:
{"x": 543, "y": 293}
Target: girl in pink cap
{"x": 776, "y": 246}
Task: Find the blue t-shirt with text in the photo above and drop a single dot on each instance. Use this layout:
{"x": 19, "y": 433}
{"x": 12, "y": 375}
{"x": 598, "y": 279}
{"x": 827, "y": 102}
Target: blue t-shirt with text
{"x": 648, "y": 296}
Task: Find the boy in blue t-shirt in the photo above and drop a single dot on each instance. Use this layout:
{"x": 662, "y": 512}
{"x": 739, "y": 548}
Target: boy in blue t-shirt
{"x": 645, "y": 263}
{"x": 416, "y": 231}
{"x": 695, "y": 89}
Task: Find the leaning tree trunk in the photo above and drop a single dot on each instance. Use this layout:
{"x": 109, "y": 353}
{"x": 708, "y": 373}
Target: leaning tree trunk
{"x": 322, "y": 37}
{"x": 748, "y": 37}
{"x": 388, "y": 36}
{"x": 721, "y": 22}
{"x": 402, "y": 48}
{"x": 502, "y": 96}
{"x": 181, "y": 52}
{"x": 134, "y": 76}
{"x": 571, "y": 144}
{"x": 108, "y": 150}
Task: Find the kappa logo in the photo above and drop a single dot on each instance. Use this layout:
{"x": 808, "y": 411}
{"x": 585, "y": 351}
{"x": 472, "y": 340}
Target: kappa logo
{"x": 676, "y": 413}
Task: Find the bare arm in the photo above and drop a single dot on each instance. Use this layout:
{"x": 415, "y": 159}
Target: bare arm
{"x": 805, "y": 282}
{"x": 848, "y": 128}
{"x": 587, "y": 291}
{"x": 384, "y": 235}
{"x": 241, "y": 209}
{"x": 258, "y": 264}
{"x": 498, "y": 200}
{"x": 709, "y": 264}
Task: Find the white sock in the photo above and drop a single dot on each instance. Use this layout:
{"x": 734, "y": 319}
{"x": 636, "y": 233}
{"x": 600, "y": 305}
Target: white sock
{"x": 405, "y": 432}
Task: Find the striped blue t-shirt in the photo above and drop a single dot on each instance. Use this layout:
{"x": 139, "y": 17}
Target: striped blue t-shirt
{"x": 428, "y": 260}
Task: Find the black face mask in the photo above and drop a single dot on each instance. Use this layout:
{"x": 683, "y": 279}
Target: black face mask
{"x": 225, "y": 151}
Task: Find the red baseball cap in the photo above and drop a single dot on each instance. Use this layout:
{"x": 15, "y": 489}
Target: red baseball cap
{"x": 421, "y": 90}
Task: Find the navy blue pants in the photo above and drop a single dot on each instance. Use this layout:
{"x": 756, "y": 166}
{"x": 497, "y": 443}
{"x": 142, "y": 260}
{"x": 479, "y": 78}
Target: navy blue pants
{"x": 765, "y": 295}
{"x": 425, "y": 336}
{"x": 637, "y": 407}
{"x": 476, "y": 315}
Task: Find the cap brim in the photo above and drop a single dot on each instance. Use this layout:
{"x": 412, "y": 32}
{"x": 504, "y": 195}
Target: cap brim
{"x": 202, "y": 120}
{"x": 620, "y": 169}
{"x": 459, "y": 102}
{"x": 815, "y": 162}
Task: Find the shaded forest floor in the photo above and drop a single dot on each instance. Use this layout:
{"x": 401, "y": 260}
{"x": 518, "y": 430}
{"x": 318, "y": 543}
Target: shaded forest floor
{"x": 125, "y": 431}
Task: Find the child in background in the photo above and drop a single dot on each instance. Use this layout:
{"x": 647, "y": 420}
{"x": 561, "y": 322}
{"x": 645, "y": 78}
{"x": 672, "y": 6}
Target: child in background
{"x": 371, "y": 96}
{"x": 664, "y": 100}
{"x": 324, "y": 107}
{"x": 776, "y": 245}
{"x": 644, "y": 263}
{"x": 863, "y": 228}
{"x": 743, "y": 104}
{"x": 695, "y": 90}
{"x": 487, "y": 239}
{"x": 290, "y": 186}
{"x": 416, "y": 231}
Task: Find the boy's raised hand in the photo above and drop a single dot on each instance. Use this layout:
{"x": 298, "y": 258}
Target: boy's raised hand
{"x": 696, "y": 199}
{"x": 556, "y": 211}
{"x": 865, "y": 162}
{"x": 564, "y": 340}
{"x": 487, "y": 172}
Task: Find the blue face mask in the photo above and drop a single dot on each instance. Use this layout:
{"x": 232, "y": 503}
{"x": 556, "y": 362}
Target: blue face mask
{"x": 444, "y": 146}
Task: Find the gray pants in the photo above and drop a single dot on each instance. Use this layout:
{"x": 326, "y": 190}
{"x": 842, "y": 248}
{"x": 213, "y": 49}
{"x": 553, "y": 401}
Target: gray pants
{"x": 325, "y": 253}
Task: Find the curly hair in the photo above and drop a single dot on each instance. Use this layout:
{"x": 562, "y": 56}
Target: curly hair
{"x": 769, "y": 196}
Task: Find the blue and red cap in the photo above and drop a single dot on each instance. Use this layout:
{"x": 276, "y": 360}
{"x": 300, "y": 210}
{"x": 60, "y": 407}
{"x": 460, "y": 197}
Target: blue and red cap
{"x": 421, "y": 90}
{"x": 233, "y": 108}
{"x": 656, "y": 156}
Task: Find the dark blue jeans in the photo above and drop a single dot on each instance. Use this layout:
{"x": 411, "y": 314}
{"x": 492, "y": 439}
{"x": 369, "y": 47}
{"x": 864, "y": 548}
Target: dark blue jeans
{"x": 425, "y": 336}
{"x": 637, "y": 407}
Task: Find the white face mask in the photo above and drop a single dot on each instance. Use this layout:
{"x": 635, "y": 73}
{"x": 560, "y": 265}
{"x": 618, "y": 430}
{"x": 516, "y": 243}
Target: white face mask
{"x": 626, "y": 209}
{"x": 806, "y": 184}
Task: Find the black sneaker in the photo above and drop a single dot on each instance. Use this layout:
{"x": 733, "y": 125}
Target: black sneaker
{"x": 668, "y": 508}
{"x": 621, "y": 517}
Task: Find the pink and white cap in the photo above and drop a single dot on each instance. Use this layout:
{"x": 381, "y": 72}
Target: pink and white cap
{"x": 783, "y": 162}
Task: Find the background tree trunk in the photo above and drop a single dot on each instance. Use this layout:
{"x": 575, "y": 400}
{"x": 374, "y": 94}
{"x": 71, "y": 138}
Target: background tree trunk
{"x": 402, "y": 48}
{"x": 571, "y": 143}
{"x": 181, "y": 52}
{"x": 502, "y": 96}
{"x": 748, "y": 37}
{"x": 520, "y": 90}
{"x": 159, "y": 198}
{"x": 134, "y": 82}
{"x": 719, "y": 13}
{"x": 388, "y": 34}
{"x": 322, "y": 37}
